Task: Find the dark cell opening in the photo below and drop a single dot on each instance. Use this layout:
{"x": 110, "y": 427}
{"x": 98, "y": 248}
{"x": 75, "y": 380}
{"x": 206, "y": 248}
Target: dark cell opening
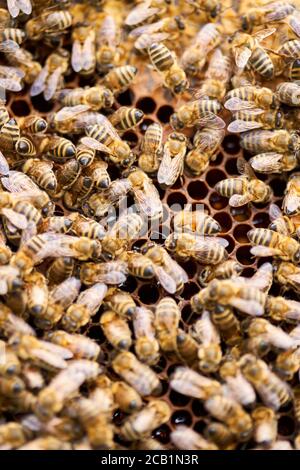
{"x": 138, "y": 244}
{"x": 231, "y": 244}
{"x": 198, "y": 408}
{"x": 130, "y": 137}
{"x": 162, "y": 434}
{"x": 126, "y": 98}
{"x": 231, "y": 166}
{"x": 231, "y": 144}
{"x": 200, "y": 426}
{"x": 178, "y": 183}
{"x": 214, "y": 176}
{"x": 286, "y": 425}
{"x": 240, "y": 233}
{"x": 20, "y": 108}
{"x": 197, "y": 190}
{"x": 190, "y": 267}
{"x": 41, "y": 105}
{"x": 244, "y": 256}
{"x": 248, "y": 272}
{"x": 217, "y": 201}
{"x": 190, "y": 289}
{"x": 129, "y": 285}
{"x": 261, "y": 220}
{"x": 278, "y": 185}
{"x": 240, "y": 214}
{"x": 224, "y": 220}
{"x": 148, "y": 294}
{"x": 164, "y": 113}
{"x": 181, "y": 417}
{"x": 176, "y": 201}
{"x": 145, "y": 124}
{"x": 146, "y": 104}
{"x": 58, "y": 210}
{"x": 177, "y": 399}
{"x": 217, "y": 160}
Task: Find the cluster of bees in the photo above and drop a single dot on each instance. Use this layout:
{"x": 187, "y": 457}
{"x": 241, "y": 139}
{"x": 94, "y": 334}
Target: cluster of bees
{"x": 221, "y": 64}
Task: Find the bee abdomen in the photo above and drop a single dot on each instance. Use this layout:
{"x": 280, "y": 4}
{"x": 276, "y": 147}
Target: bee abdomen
{"x": 231, "y": 186}
{"x": 262, "y": 63}
{"x": 161, "y": 57}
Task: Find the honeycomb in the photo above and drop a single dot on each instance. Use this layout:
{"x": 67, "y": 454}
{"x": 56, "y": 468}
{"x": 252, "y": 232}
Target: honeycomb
{"x": 158, "y": 104}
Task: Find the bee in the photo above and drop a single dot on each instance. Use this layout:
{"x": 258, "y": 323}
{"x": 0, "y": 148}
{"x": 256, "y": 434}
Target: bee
{"x": 249, "y": 119}
{"x": 146, "y": 345}
{"x": 146, "y": 11}
{"x": 5, "y": 251}
{"x": 65, "y": 384}
{"x": 37, "y": 292}
{"x": 227, "y": 269}
{"x": 260, "y": 15}
{"x": 238, "y": 387}
{"x": 33, "y": 377}
{"x": 271, "y": 334}
{"x": 165, "y": 63}
{"x": 11, "y": 386}
{"x": 188, "y": 382}
{"x": 126, "y": 118}
{"x": 200, "y": 112}
{"x": 80, "y": 346}
{"x": 270, "y": 141}
{"x": 50, "y": 78}
{"x": 12, "y": 436}
{"x": 78, "y": 192}
{"x": 9, "y": 135}
{"x": 231, "y": 413}
{"x": 250, "y": 97}
{"x": 288, "y": 93}
{"x": 60, "y": 270}
{"x": 85, "y": 155}
{"x": 99, "y": 204}
{"x": 83, "y": 57}
{"x": 82, "y": 226}
{"x": 65, "y": 292}
{"x": 290, "y": 49}
{"x": 126, "y": 397}
{"x": 108, "y": 41}
{"x": 273, "y": 162}
{"x": 195, "y": 222}
{"x": 296, "y": 391}
{"x": 120, "y": 78}
{"x": 141, "y": 423}
{"x": 41, "y": 172}
{"x": 204, "y": 331}
{"x": 11, "y": 78}
{"x": 216, "y": 77}
{"x": 46, "y": 443}
{"x": 118, "y": 238}
{"x": 205, "y": 250}
{"x": 10, "y": 364}
{"x": 106, "y": 139}
{"x": 136, "y": 374}
{"x": 11, "y": 323}
{"x": 18, "y": 213}
{"x": 287, "y": 364}
{"x": 210, "y": 8}
{"x": 120, "y": 302}
{"x": 246, "y": 49}
{"x": 111, "y": 272}
{"x": 220, "y": 435}
{"x": 56, "y": 147}
{"x": 288, "y": 275}
{"x": 145, "y": 193}
{"x": 171, "y": 166}
{"x": 291, "y": 201}
{"x": 98, "y": 172}
{"x": 206, "y": 142}
{"x": 187, "y": 349}
{"x": 116, "y": 330}
{"x": 85, "y": 307}
{"x": 245, "y": 188}
{"x": 10, "y": 279}
{"x": 169, "y": 273}
{"x": 167, "y": 317}
{"x": 166, "y": 28}
{"x": 149, "y": 444}
{"x": 186, "y": 438}
{"x": 95, "y": 98}
{"x": 11, "y": 38}
{"x": 273, "y": 391}
{"x": 22, "y": 65}
{"x": 151, "y": 148}
{"x": 270, "y": 243}
{"x": 15, "y": 7}
{"x": 49, "y": 24}
{"x": 194, "y": 57}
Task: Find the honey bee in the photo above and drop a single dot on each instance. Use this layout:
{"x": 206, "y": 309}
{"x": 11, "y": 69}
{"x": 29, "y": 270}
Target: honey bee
{"x": 167, "y": 317}
{"x": 171, "y": 166}
{"x": 297, "y": 402}
{"x": 273, "y": 391}
{"x": 41, "y": 172}
{"x": 145, "y": 193}
{"x": 11, "y": 323}
{"x": 186, "y": 438}
{"x": 37, "y": 291}
{"x": 246, "y": 49}
{"x": 111, "y": 272}
{"x": 238, "y": 387}
{"x": 136, "y": 374}
{"x": 287, "y": 364}
{"x": 145, "y": 11}
{"x": 85, "y": 307}
{"x": 227, "y": 269}
{"x": 10, "y": 279}
{"x": 98, "y": 172}
{"x": 120, "y": 78}
{"x": 216, "y": 77}
{"x": 11, "y": 78}
{"x": 250, "y": 97}
{"x": 15, "y": 7}
{"x": 290, "y": 49}
{"x": 60, "y": 270}
{"x": 200, "y": 112}
{"x": 65, "y": 292}
{"x": 206, "y": 142}
{"x": 149, "y": 444}
{"x": 249, "y": 119}
{"x": 204, "y": 331}
{"x": 50, "y": 24}
{"x": 273, "y": 162}
{"x": 187, "y": 349}
{"x": 83, "y": 57}
{"x": 10, "y": 364}
{"x": 11, "y": 386}
{"x": 263, "y": 14}
{"x": 65, "y": 384}
{"x": 270, "y": 141}
{"x": 95, "y": 98}
{"x": 288, "y": 93}
{"x": 151, "y": 148}
{"x": 18, "y": 213}
{"x": 126, "y": 118}
{"x": 9, "y": 135}
{"x": 287, "y": 274}
{"x": 166, "y": 28}
{"x": 118, "y": 238}
{"x": 22, "y": 65}
{"x": 146, "y": 345}
{"x": 46, "y": 443}
{"x": 188, "y": 382}
{"x": 171, "y": 276}
{"x": 108, "y": 41}
{"x": 165, "y": 63}
{"x": 210, "y": 8}
{"x": 220, "y": 435}
{"x": 50, "y": 78}
{"x": 85, "y": 155}
{"x": 126, "y": 397}
{"x": 245, "y": 188}
{"x": 195, "y": 222}
{"x": 81, "y": 346}
{"x": 291, "y": 200}
{"x": 138, "y": 265}
{"x": 231, "y": 413}
{"x": 56, "y": 147}
{"x": 271, "y": 334}
{"x": 205, "y": 250}
{"x": 12, "y": 436}
{"x": 270, "y": 243}
{"x": 106, "y": 139}
{"x": 33, "y": 377}
{"x": 120, "y": 302}
{"x": 194, "y": 57}
{"x": 141, "y": 423}
{"x": 84, "y": 227}
{"x": 116, "y": 330}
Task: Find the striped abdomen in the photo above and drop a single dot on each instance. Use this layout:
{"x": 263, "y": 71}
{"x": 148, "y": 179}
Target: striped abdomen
{"x": 187, "y": 347}
{"x": 30, "y": 212}
{"x": 231, "y": 186}
{"x": 227, "y": 324}
{"x": 60, "y": 270}
{"x": 64, "y": 149}
{"x": 100, "y": 134}
{"x": 291, "y": 49}
{"x": 13, "y": 34}
{"x": 4, "y": 116}
{"x": 10, "y": 133}
{"x": 264, "y": 237}
{"x": 261, "y": 63}
{"x": 289, "y": 93}
{"x": 205, "y": 106}
{"x": 160, "y": 56}
{"x": 294, "y": 70}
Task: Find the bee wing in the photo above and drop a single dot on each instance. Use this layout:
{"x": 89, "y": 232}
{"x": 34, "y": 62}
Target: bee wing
{"x": 11, "y": 72}
{"x": 212, "y": 121}
{"x": 148, "y": 199}
{"x": 60, "y": 351}
{"x": 140, "y": 13}
{"x": 10, "y": 84}
{"x": 291, "y": 202}
{"x": 251, "y": 307}
{"x": 294, "y": 23}
{"x": 13, "y": 8}
{"x": 238, "y": 200}
{"x": 146, "y": 29}
{"x": 9, "y": 46}
{"x": 68, "y": 112}
{"x": 29, "y": 232}
{"x": 170, "y": 168}
{"x": 25, "y": 6}
{"x": 40, "y": 82}
{"x": 269, "y": 162}
{"x": 239, "y": 125}
{"x": 244, "y": 168}
{"x": 18, "y": 220}
{"x": 88, "y": 52}
{"x": 262, "y": 279}
{"x": 204, "y": 245}
{"x": 107, "y": 32}
{"x": 274, "y": 212}
{"x": 206, "y": 141}
{"x": 17, "y": 182}
{"x": 260, "y": 35}
{"x": 294, "y": 307}
{"x": 264, "y": 251}
{"x": 4, "y": 167}
{"x": 236, "y": 104}
{"x": 94, "y": 144}
{"x": 145, "y": 40}
{"x": 52, "y": 84}
{"x": 77, "y": 56}
{"x": 277, "y": 14}
{"x": 3, "y": 287}
{"x": 102, "y": 120}
{"x": 49, "y": 358}
{"x": 242, "y": 55}
{"x": 165, "y": 279}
